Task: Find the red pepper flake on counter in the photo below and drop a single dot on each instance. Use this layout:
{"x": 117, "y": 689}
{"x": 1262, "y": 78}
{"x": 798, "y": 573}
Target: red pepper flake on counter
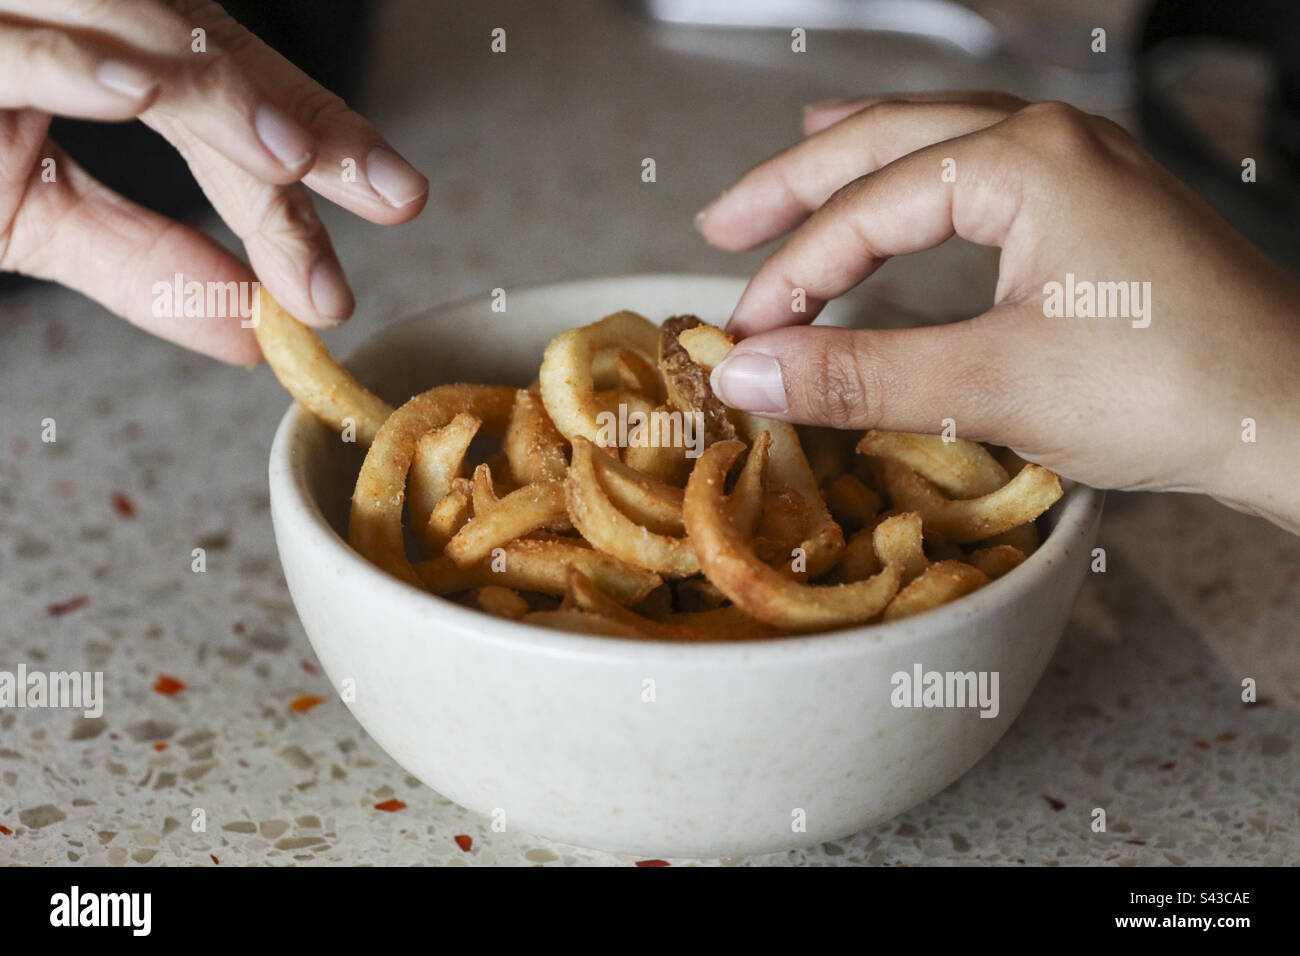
{"x": 64, "y": 607}
{"x": 310, "y": 668}
{"x": 5, "y": 830}
{"x": 1227, "y": 736}
{"x": 300, "y": 705}
{"x": 653, "y": 863}
{"x": 214, "y": 859}
{"x": 168, "y": 685}
{"x": 1168, "y": 766}
{"x": 464, "y": 842}
{"x": 238, "y": 627}
{"x": 1201, "y": 745}
{"x": 1137, "y": 842}
{"x": 1054, "y": 803}
{"x": 160, "y": 746}
{"x": 123, "y": 504}
{"x": 391, "y": 806}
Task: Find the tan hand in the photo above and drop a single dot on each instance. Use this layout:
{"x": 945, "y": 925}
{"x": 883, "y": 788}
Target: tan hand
{"x": 253, "y": 128}
{"x": 1157, "y": 402}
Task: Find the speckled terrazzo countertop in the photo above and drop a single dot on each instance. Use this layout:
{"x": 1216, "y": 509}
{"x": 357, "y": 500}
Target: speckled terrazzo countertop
{"x": 535, "y": 161}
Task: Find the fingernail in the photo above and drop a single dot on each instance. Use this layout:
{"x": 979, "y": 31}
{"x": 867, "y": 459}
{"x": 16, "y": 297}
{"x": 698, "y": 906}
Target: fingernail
{"x": 751, "y": 382}
{"x": 700, "y": 216}
{"x": 394, "y": 178}
{"x": 282, "y": 136}
{"x": 128, "y": 79}
{"x": 329, "y": 290}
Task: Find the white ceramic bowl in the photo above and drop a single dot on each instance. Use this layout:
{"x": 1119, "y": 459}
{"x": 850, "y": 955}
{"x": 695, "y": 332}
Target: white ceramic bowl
{"x": 656, "y": 749}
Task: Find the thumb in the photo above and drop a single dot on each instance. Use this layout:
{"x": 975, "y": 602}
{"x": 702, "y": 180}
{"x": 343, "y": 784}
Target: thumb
{"x": 897, "y": 379}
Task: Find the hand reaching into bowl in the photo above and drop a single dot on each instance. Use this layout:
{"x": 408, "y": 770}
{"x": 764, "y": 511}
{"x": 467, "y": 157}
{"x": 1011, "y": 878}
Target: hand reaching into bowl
{"x": 253, "y": 128}
{"x": 1193, "y": 386}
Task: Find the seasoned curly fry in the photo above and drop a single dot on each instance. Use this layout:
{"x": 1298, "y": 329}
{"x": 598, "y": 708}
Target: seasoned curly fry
{"x": 745, "y": 506}
{"x": 522, "y": 511}
{"x": 375, "y": 526}
{"x": 938, "y": 584}
{"x": 859, "y": 560}
{"x": 566, "y": 378}
{"x": 997, "y": 560}
{"x": 448, "y": 516}
{"x": 503, "y": 602}
{"x": 439, "y": 455}
{"x": 605, "y": 529}
{"x": 305, "y": 367}
{"x": 727, "y": 623}
{"x": 530, "y": 564}
{"x": 851, "y": 502}
{"x": 898, "y": 539}
{"x": 1018, "y": 502}
{"x": 648, "y": 502}
{"x": 959, "y": 468}
{"x": 533, "y": 445}
{"x": 637, "y": 374}
{"x": 613, "y": 532}
{"x": 731, "y": 564}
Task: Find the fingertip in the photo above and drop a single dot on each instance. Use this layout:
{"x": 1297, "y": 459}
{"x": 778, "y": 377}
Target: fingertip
{"x": 331, "y": 296}
{"x": 389, "y": 215}
{"x": 816, "y": 122}
{"x": 127, "y": 79}
{"x": 725, "y": 238}
{"x": 811, "y": 121}
{"x": 715, "y": 224}
{"x": 395, "y": 181}
{"x": 288, "y": 142}
{"x": 751, "y": 381}
{"x": 134, "y": 88}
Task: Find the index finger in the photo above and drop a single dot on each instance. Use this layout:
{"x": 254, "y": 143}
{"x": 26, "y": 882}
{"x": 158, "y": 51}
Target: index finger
{"x": 818, "y": 116}
{"x": 906, "y": 206}
{"x": 779, "y": 193}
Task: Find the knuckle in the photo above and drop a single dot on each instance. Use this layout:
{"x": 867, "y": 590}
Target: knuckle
{"x": 213, "y": 73}
{"x": 888, "y": 109}
{"x": 1120, "y": 141}
{"x": 288, "y": 216}
{"x": 1007, "y": 101}
{"x": 46, "y": 45}
{"x": 1058, "y": 126}
{"x": 838, "y": 387}
{"x": 316, "y": 107}
{"x": 842, "y": 200}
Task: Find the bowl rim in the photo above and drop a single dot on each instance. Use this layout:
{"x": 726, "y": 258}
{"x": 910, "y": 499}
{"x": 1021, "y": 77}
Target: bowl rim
{"x": 290, "y": 496}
